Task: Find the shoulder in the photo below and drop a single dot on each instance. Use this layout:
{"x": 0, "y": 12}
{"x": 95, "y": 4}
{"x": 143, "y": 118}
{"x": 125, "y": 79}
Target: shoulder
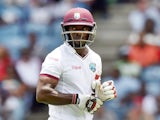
{"x": 94, "y": 54}
{"x": 55, "y": 55}
{"x": 57, "y": 52}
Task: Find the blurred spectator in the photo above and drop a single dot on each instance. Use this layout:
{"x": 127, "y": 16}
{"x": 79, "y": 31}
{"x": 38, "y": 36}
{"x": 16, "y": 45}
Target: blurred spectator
{"x": 143, "y": 53}
{"x": 148, "y": 36}
{"x": 28, "y": 63}
{"x": 28, "y": 68}
{"x": 39, "y": 18}
{"x": 14, "y": 93}
{"x": 151, "y": 36}
{"x": 136, "y": 112}
{"x": 154, "y": 13}
{"x": 12, "y": 97}
{"x": 40, "y": 46}
{"x": 138, "y": 16}
{"x": 39, "y": 13}
{"x": 126, "y": 67}
{"x": 11, "y": 30}
{"x": 19, "y": 18}
{"x": 14, "y": 11}
{"x": 145, "y": 10}
{"x": 48, "y": 29}
{"x": 151, "y": 76}
{"x": 5, "y": 62}
{"x": 127, "y": 87}
{"x": 35, "y": 47}
{"x": 144, "y": 50}
{"x": 43, "y": 15}
{"x": 149, "y": 107}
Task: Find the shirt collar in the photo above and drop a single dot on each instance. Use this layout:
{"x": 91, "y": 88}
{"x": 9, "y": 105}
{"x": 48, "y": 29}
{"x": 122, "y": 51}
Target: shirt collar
{"x": 72, "y": 50}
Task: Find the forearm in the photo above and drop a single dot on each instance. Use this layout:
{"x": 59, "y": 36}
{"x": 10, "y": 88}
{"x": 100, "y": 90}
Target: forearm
{"x": 49, "y": 95}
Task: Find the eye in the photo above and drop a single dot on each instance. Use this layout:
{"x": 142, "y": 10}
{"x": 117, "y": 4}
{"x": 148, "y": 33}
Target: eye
{"x": 86, "y": 28}
{"x": 72, "y": 28}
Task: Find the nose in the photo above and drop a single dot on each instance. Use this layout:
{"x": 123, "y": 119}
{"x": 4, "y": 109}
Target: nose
{"x": 77, "y": 35}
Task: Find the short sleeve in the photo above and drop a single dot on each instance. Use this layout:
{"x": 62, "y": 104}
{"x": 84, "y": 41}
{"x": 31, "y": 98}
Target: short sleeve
{"x": 98, "y": 72}
{"x": 52, "y": 66}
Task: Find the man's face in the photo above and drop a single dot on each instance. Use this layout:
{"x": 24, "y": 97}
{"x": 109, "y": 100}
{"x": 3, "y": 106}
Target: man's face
{"x": 79, "y": 36}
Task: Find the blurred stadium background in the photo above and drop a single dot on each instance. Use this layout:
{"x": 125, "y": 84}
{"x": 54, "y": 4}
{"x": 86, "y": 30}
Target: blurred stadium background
{"x": 29, "y": 29}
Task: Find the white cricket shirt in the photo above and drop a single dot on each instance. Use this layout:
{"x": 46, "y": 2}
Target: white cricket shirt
{"x": 75, "y": 75}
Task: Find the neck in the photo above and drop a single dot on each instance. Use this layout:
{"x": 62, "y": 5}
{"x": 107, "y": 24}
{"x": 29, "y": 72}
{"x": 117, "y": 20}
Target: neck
{"x": 82, "y": 52}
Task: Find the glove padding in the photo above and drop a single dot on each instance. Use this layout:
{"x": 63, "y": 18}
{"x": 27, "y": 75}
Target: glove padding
{"x": 106, "y": 91}
{"x": 89, "y": 103}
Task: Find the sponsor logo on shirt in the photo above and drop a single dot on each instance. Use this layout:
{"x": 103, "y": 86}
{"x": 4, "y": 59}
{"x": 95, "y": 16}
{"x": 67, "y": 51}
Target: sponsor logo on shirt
{"x": 75, "y": 67}
{"x": 52, "y": 58}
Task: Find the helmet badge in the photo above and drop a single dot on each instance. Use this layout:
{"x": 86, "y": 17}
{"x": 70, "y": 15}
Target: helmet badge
{"x": 76, "y": 16}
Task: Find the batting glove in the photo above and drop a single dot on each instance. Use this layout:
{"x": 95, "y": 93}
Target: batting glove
{"x": 87, "y": 102}
{"x": 106, "y": 91}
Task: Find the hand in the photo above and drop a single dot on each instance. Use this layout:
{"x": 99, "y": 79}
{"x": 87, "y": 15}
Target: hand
{"x": 88, "y": 103}
{"x": 106, "y": 91}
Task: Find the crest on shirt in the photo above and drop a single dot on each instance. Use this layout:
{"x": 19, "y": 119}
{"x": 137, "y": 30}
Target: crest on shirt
{"x": 76, "y": 16}
{"x": 92, "y": 67}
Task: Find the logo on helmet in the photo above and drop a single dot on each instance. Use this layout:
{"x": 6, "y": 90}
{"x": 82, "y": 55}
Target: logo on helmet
{"x": 76, "y": 16}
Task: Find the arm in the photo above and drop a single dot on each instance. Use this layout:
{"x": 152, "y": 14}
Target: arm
{"x": 47, "y": 94}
